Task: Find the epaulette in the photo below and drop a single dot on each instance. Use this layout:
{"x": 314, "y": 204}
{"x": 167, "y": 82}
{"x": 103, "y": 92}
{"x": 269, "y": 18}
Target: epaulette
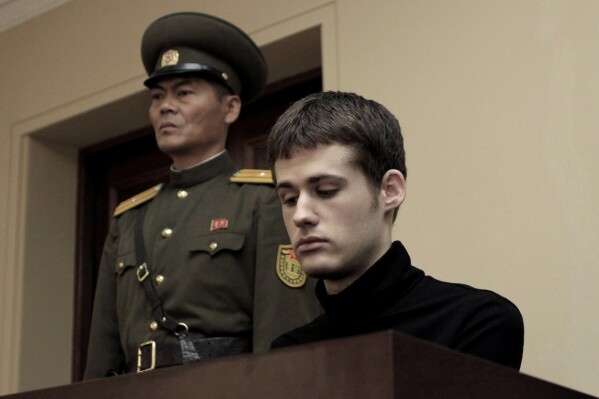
{"x": 252, "y": 176}
{"x": 138, "y": 199}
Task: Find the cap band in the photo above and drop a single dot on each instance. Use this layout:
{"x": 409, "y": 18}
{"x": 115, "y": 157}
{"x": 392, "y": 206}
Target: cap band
{"x": 187, "y": 68}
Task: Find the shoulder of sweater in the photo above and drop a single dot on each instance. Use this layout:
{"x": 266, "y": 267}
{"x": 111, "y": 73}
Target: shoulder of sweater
{"x": 479, "y": 296}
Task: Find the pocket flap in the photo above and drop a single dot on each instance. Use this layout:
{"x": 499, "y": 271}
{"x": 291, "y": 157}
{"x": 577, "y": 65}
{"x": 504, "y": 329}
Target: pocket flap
{"x": 125, "y": 262}
{"x": 214, "y": 243}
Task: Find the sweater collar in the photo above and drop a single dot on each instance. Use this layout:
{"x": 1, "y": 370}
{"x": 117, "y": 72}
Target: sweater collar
{"x": 389, "y": 279}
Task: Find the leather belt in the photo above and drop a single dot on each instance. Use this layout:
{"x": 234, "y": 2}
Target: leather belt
{"x": 152, "y": 355}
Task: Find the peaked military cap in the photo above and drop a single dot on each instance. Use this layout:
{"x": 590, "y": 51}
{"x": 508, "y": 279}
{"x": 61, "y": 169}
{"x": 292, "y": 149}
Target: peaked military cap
{"x": 201, "y": 44}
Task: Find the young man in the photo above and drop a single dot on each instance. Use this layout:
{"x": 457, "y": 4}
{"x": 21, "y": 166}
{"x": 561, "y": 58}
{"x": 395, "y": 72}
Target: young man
{"x": 339, "y": 169}
{"x": 195, "y": 269}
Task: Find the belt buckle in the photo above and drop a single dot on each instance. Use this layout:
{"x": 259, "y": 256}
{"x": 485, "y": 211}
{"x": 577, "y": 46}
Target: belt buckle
{"x": 152, "y": 345}
{"x": 142, "y": 272}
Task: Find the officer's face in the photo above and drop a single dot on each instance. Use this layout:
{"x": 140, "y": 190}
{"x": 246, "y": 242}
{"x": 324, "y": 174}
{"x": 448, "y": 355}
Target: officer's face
{"x": 333, "y": 216}
{"x": 190, "y": 120}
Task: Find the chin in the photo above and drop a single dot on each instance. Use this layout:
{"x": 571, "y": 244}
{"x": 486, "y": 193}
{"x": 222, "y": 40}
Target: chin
{"x": 320, "y": 268}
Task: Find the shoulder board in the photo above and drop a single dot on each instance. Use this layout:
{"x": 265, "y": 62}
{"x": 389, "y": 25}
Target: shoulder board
{"x": 252, "y": 176}
{"x": 138, "y": 199}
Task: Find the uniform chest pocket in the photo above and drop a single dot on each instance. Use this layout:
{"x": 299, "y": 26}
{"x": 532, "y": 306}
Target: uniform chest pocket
{"x": 125, "y": 263}
{"x": 213, "y": 244}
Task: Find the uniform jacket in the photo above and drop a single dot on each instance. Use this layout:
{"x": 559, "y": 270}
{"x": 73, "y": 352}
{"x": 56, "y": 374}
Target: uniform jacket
{"x": 214, "y": 243}
{"x": 393, "y": 294}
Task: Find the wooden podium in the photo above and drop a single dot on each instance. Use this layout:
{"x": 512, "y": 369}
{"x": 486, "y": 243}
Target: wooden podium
{"x": 382, "y": 365}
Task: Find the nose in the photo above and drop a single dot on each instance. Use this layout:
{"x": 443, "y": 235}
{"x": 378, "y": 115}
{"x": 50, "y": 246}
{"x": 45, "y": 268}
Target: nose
{"x": 305, "y": 212}
{"x": 167, "y": 104}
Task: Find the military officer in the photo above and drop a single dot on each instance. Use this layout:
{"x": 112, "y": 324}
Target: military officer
{"x": 200, "y": 267}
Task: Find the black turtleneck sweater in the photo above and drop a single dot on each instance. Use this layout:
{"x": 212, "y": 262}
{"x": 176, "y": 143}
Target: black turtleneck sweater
{"x": 393, "y": 294}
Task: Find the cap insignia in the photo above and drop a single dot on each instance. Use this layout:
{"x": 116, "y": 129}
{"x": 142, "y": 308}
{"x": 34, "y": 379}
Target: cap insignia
{"x": 171, "y": 57}
{"x": 289, "y": 270}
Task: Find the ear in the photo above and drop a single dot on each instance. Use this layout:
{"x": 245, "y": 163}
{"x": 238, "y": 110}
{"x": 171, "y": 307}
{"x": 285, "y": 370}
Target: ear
{"x": 393, "y": 189}
{"x": 233, "y": 107}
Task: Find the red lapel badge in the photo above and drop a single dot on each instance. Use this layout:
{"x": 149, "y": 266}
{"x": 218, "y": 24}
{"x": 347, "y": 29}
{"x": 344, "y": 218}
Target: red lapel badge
{"x": 219, "y": 224}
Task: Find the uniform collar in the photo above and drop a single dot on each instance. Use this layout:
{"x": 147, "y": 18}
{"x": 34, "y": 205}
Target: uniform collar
{"x": 202, "y": 172}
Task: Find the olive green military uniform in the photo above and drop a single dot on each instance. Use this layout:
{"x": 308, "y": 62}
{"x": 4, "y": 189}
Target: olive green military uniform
{"x": 213, "y": 250}
{"x": 215, "y": 244}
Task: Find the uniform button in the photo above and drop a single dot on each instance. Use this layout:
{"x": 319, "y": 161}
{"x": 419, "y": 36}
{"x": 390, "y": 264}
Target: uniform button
{"x": 159, "y": 279}
{"x": 121, "y": 265}
{"x": 182, "y": 194}
{"x": 213, "y": 245}
{"x": 153, "y": 326}
{"x": 166, "y": 233}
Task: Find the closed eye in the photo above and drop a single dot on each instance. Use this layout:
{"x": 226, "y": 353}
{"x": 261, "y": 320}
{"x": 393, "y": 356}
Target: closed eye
{"x": 288, "y": 200}
{"x": 327, "y": 193}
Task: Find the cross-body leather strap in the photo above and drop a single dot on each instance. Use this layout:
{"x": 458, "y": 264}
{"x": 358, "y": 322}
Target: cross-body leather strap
{"x": 188, "y": 352}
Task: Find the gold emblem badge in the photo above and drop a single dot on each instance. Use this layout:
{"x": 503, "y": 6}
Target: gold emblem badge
{"x": 171, "y": 57}
{"x": 288, "y": 268}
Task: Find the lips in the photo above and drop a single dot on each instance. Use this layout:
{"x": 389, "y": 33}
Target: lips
{"x": 167, "y": 125}
{"x": 310, "y": 243}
